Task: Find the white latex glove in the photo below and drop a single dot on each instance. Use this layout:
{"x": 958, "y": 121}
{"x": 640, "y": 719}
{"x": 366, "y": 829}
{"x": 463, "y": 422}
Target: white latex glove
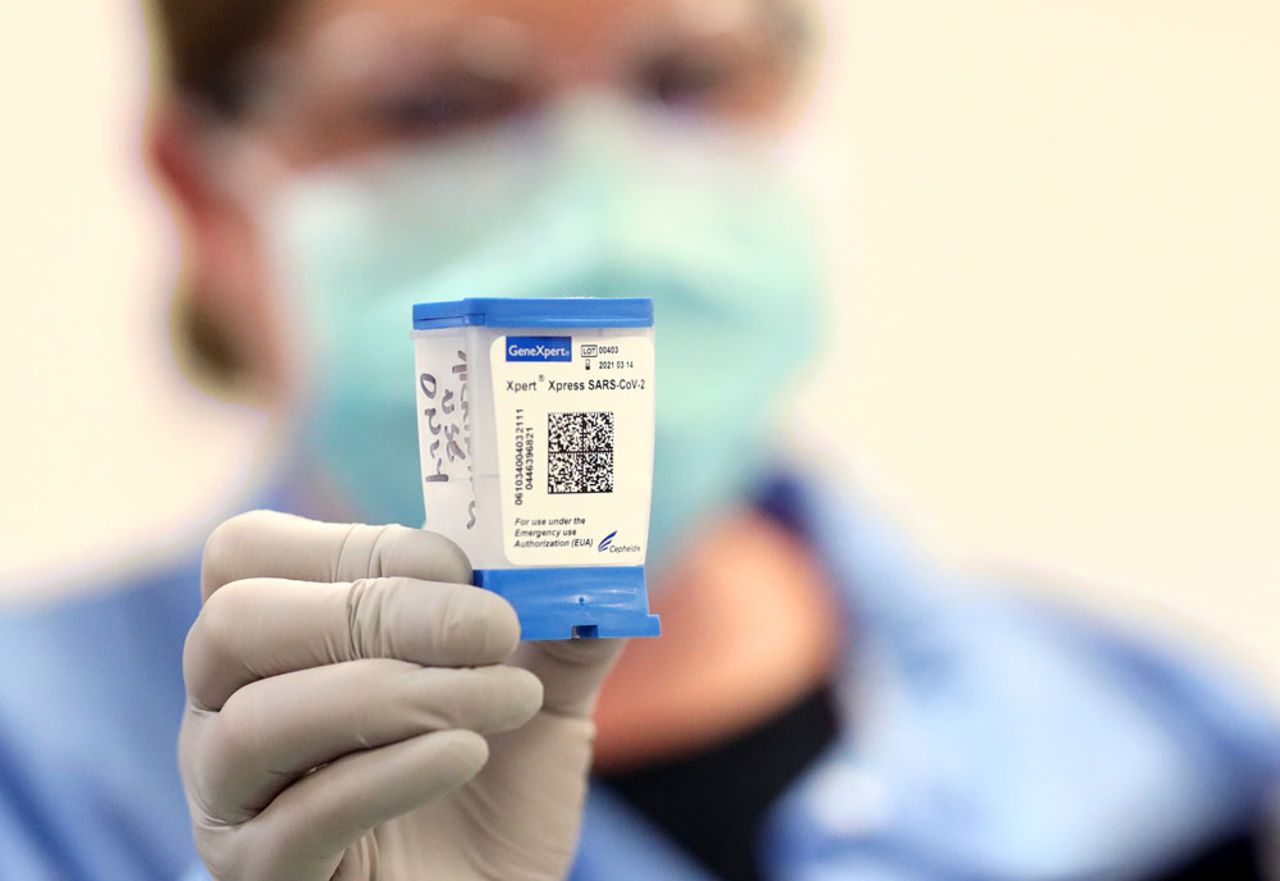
{"x": 350, "y": 715}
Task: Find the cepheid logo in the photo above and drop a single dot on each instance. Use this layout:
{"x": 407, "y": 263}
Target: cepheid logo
{"x": 539, "y": 348}
{"x": 607, "y": 546}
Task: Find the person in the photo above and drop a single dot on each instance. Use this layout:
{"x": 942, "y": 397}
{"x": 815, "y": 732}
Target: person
{"x": 824, "y": 704}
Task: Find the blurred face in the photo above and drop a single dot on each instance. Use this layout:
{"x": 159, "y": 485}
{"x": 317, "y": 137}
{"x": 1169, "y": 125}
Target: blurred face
{"x": 344, "y": 79}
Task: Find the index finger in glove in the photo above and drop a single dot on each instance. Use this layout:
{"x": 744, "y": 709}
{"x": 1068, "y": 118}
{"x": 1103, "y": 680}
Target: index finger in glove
{"x": 268, "y": 544}
{"x": 262, "y": 627}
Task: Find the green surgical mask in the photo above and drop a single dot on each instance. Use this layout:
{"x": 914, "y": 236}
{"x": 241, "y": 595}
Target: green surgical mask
{"x": 590, "y": 201}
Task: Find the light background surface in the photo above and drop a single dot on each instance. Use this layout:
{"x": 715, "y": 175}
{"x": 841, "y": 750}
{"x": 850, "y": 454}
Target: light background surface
{"x": 1054, "y": 227}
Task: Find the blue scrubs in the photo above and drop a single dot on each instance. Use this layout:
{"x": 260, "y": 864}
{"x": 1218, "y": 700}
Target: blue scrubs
{"x": 986, "y": 738}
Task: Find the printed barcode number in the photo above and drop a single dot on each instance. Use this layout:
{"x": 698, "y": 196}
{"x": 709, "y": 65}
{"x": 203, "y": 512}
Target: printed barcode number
{"x": 579, "y": 453}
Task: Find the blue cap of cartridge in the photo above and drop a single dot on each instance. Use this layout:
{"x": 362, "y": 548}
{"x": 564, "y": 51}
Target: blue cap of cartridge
{"x": 580, "y": 602}
{"x": 535, "y": 312}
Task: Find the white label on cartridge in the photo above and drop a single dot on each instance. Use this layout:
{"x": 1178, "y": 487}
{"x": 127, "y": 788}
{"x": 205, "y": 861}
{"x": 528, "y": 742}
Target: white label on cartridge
{"x": 574, "y": 415}
{"x": 444, "y": 431}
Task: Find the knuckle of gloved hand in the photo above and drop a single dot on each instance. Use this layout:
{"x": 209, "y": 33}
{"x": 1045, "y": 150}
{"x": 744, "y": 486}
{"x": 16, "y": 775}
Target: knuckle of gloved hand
{"x": 240, "y": 853}
{"x": 452, "y": 560}
{"x": 213, "y": 643}
{"x": 479, "y": 625}
{"x": 463, "y": 752}
{"x": 234, "y": 745}
{"x": 226, "y": 849}
{"x": 222, "y": 619}
{"x": 515, "y": 696}
{"x": 226, "y": 543}
{"x": 400, "y": 550}
{"x": 221, "y": 858}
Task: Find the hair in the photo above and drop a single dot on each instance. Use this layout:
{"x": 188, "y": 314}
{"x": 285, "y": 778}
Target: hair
{"x": 203, "y": 43}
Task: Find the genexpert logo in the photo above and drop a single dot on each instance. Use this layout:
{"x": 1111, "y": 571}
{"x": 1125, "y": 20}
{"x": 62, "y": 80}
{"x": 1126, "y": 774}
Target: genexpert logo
{"x": 539, "y": 348}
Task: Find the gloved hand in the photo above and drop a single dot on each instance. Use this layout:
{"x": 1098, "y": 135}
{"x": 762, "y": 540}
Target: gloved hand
{"x": 352, "y": 713}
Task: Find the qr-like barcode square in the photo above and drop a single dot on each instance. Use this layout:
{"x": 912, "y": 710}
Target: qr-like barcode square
{"x": 579, "y": 453}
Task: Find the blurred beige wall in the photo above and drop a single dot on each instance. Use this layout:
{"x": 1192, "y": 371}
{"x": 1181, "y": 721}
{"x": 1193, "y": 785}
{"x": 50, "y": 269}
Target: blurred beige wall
{"x": 104, "y": 449}
{"x": 1055, "y": 226}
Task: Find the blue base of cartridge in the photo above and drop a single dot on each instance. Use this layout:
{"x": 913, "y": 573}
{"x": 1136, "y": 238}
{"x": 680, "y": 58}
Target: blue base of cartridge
{"x": 604, "y": 602}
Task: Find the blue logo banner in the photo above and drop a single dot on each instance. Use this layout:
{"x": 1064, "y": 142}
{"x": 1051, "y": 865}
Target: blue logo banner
{"x": 539, "y": 348}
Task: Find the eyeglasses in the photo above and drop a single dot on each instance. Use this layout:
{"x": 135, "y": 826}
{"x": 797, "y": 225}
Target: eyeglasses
{"x": 365, "y": 79}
